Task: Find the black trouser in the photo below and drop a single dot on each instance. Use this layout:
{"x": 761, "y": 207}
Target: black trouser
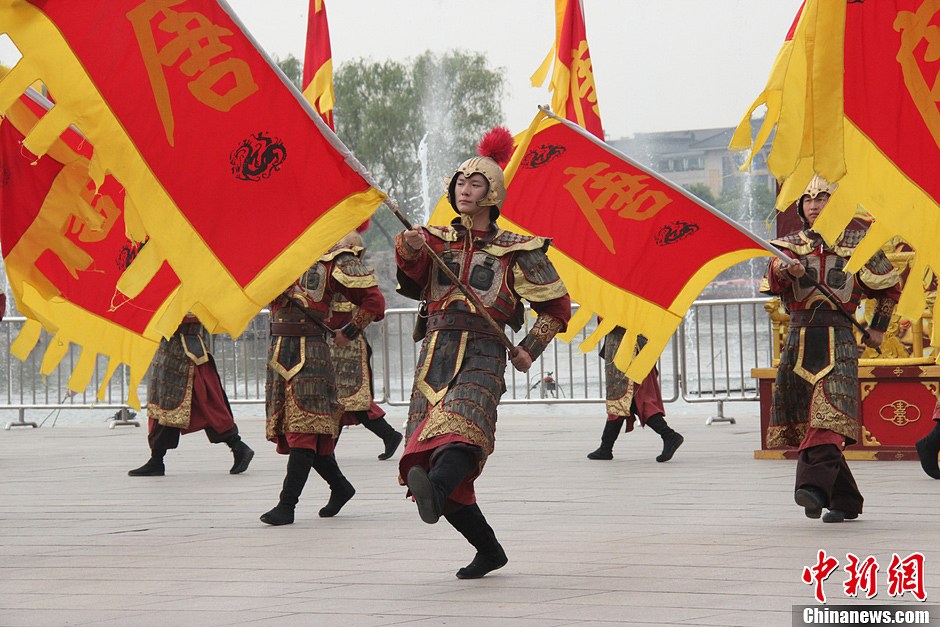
{"x": 824, "y": 468}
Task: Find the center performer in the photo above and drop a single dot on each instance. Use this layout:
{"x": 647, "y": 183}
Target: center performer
{"x": 459, "y": 379}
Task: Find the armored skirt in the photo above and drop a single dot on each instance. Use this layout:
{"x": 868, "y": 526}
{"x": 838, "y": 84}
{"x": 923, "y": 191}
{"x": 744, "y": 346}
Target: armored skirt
{"x": 464, "y": 371}
{"x": 625, "y": 395}
{"x": 353, "y": 367}
{"x": 816, "y": 388}
{"x": 303, "y": 409}
{"x": 185, "y": 394}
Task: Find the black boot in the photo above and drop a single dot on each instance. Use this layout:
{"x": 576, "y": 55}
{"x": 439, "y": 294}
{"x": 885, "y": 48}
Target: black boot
{"x": 927, "y": 449}
{"x": 671, "y": 440}
{"x": 242, "y": 453}
{"x": 472, "y": 525}
{"x": 154, "y": 466}
{"x": 298, "y": 469}
{"x": 811, "y": 499}
{"x": 431, "y": 490}
{"x": 611, "y": 431}
{"x": 340, "y": 488}
{"x": 381, "y": 428}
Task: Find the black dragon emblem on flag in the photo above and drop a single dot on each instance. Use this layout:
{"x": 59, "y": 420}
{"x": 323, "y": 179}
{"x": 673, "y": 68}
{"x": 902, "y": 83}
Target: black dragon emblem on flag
{"x": 129, "y": 252}
{"x": 257, "y": 157}
{"x": 537, "y": 157}
{"x": 674, "y": 232}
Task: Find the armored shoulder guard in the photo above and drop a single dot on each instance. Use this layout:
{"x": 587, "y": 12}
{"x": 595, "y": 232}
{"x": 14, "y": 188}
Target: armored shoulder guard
{"x": 446, "y": 233}
{"x": 535, "y": 278}
{"x": 349, "y": 270}
{"x": 878, "y": 273}
{"x": 506, "y": 242}
{"x": 338, "y": 249}
{"x": 796, "y": 242}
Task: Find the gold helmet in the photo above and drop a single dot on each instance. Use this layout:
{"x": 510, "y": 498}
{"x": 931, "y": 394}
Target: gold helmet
{"x": 494, "y": 149}
{"x": 817, "y": 185}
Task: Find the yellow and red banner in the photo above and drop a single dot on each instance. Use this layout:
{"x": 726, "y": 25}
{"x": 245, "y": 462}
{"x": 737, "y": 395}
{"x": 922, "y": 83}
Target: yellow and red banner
{"x": 574, "y": 95}
{"x": 233, "y": 180}
{"x": 318, "y": 62}
{"x": 632, "y": 248}
{"x": 853, "y": 97}
{"x": 65, "y": 250}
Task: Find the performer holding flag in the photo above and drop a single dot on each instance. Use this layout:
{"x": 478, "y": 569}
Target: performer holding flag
{"x": 459, "y": 379}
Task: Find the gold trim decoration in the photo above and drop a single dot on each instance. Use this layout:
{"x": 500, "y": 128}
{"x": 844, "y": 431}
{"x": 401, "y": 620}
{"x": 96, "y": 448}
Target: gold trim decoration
{"x": 435, "y": 396}
{"x": 442, "y": 422}
{"x": 897, "y": 412}
{"x": 822, "y": 415}
{"x": 866, "y": 389}
{"x": 297, "y": 420}
{"x": 805, "y": 374}
{"x": 179, "y": 416}
{"x": 868, "y": 439}
{"x": 621, "y": 406}
{"x": 361, "y": 282}
{"x": 273, "y": 364}
{"x": 932, "y": 386}
{"x": 196, "y": 359}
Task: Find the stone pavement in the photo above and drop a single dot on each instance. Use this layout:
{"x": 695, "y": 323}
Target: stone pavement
{"x": 710, "y": 538}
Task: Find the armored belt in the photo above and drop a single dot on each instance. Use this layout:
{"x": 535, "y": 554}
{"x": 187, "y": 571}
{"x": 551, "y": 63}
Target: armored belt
{"x": 819, "y": 318}
{"x": 295, "y": 324}
{"x": 461, "y": 321}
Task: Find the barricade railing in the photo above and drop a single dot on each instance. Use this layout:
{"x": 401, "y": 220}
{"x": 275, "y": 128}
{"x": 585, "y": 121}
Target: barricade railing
{"x": 708, "y": 360}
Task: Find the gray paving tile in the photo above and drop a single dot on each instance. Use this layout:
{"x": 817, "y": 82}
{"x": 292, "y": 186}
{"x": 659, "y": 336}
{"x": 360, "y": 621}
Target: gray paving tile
{"x": 711, "y": 538}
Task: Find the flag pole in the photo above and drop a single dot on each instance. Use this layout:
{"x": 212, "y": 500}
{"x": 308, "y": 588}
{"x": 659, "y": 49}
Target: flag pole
{"x": 718, "y": 214}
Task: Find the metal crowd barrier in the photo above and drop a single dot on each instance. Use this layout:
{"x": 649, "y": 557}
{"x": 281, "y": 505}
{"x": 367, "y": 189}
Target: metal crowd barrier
{"x": 708, "y": 360}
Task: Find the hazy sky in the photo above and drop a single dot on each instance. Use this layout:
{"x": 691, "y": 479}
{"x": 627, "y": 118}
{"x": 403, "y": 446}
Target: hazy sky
{"x": 658, "y": 64}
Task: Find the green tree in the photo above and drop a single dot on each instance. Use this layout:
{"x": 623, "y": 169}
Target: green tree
{"x": 702, "y": 192}
{"x": 396, "y": 116}
{"x": 292, "y": 67}
{"x": 745, "y": 202}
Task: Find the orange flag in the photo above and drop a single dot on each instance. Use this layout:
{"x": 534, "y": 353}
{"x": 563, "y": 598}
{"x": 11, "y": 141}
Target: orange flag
{"x": 318, "y": 62}
{"x": 631, "y": 247}
{"x": 65, "y": 250}
{"x": 852, "y": 95}
{"x": 574, "y": 94}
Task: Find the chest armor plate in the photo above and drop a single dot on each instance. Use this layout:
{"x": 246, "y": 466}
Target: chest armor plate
{"x": 486, "y": 276}
{"x": 827, "y": 270}
{"x": 314, "y": 281}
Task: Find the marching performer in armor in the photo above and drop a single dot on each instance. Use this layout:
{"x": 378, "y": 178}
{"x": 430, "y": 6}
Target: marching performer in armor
{"x": 185, "y": 395}
{"x": 302, "y": 406}
{"x": 353, "y": 363}
{"x": 816, "y": 395}
{"x": 627, "y": 402}
{"x": 459, "y": 378}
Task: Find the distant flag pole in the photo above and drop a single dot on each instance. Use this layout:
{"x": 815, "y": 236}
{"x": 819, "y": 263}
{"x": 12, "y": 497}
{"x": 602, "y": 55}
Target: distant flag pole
{"x": 317, "y": 84}
{"x": 574, "y": 94}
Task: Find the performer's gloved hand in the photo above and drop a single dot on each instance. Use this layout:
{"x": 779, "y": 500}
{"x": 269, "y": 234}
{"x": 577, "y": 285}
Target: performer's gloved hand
{"x": 414, "y": 238}
{"x": 521, "y": 359}
{"x": 874, "y": 338}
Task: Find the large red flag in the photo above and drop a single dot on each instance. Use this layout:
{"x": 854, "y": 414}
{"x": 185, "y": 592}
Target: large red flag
{"x": 853, "y": 97}
{"x": 631, "y": 247}
{"x": 574, "y": 94}
{"x": 318, "y": 62}
{"x": 233, "y": 177}
{"x": 65, "y": 250}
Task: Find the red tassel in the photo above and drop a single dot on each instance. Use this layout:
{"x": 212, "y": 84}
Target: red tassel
{"x": 497, "y": 144}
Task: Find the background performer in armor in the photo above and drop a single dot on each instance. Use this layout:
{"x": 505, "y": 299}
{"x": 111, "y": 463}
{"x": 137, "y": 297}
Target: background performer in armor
{"x": 459, "y": 377}
{"x": 353, "y": 363}
{"x": 303, "y": 410}
{"x": 928, "y": 447}
{"x": 185, "y": 395}
{"x": 816, "y": 394}
{"x": 627, "y": 402}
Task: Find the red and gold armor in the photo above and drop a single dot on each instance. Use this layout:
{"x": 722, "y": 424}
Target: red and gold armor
{"x": 817, "y": 380}
{"x": 459, "y": 379}
{"x": 302, "y": 398}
